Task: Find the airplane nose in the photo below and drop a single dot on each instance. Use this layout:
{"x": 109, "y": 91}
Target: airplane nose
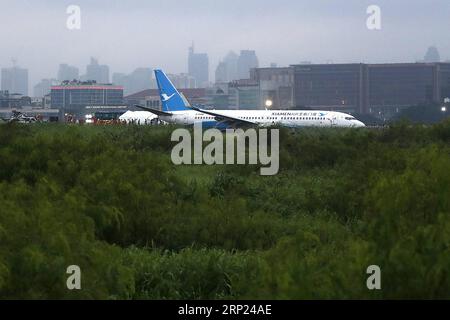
{"x": 360, "y": 124}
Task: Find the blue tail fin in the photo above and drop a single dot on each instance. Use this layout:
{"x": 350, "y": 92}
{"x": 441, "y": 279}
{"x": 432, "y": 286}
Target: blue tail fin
{"x": 171, "y": 99}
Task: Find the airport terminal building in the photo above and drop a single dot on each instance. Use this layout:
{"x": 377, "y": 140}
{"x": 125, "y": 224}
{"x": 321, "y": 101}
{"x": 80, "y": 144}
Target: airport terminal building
{"x": 77, "y": 99}
{"x": 381, "y": 90}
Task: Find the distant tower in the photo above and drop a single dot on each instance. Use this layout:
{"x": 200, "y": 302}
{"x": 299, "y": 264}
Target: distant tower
{"x": 192, "y": 48}
{"x": 221, "y": 73}
{"x": 247, "y": 61}
{"x": 66, "y": 72}
{"x": 191, "y": 66}
{"x": 97, "y": 72}
{"x": 231, "y": 59}
{"x": 15, "y": 79}
{"x": 198, "y": 67}
{"x": 432, "y": 55}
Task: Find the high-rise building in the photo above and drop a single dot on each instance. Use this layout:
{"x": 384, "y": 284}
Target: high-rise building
{"x": 183, "y": 80}
{"x": 221, "y": 72}
{"x": 231, "y": 59}
{"x": 15, "y": 80}
{"x": 97, "y": 72}
{"x": 432, "y": 55}
{"x": 139, "y": 80}
{"x": 120, "y": 79}
{"x": 66, "y": 72}
{"x": 43, "y": 88}
{"x": 198, "y": 67}
{"x": 227, "y": 70}
{"x": 246, "y": 61}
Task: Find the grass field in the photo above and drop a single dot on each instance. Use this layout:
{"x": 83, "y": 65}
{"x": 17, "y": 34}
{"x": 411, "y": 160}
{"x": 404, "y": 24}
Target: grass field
{"x": 109, "y": 200}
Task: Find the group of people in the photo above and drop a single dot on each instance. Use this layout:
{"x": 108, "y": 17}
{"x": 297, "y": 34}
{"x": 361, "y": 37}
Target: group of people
{"x": 127, "y": 122}
{"x": 140, "y": 122}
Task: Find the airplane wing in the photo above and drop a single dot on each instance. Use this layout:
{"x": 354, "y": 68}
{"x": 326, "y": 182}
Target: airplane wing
{"x": 225, "y": 119}
{"x": 157, "y": 112}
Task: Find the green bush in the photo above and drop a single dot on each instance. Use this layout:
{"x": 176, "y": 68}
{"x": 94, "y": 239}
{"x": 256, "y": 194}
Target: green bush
{"x": 109, "y": 200}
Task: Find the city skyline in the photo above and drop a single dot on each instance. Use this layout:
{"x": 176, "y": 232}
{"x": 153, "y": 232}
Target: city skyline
{"x": 135, "y": 34}
{"x": 134, "y": 81}
{"x": 141, "y": 78}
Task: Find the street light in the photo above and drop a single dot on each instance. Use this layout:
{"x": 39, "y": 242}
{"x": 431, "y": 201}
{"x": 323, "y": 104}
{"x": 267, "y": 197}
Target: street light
{"x": 269, "y": 103}
{"x": 446, "y": 104}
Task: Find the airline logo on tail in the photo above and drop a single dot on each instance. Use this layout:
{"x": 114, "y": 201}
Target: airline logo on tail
{"x": 165, "y": 97}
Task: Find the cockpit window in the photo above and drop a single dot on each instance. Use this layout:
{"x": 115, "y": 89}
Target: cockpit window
{"x": 350, "y": 118}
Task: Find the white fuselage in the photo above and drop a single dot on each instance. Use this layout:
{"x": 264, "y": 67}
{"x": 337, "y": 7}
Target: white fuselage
{"x": 288, "y": 118}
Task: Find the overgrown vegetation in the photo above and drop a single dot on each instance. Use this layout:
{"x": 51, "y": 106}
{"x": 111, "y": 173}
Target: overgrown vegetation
{"x": 109, "y": 200}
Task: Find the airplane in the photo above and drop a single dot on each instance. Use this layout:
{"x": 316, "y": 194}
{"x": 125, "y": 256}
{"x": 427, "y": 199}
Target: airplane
{"x": 139, "y": 117}
{"x": 177, "y": 110}
{"x": 21, "y": 118}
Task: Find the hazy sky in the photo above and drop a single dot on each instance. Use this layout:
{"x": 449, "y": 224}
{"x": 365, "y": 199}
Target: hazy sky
{"x": 126, "y": 34}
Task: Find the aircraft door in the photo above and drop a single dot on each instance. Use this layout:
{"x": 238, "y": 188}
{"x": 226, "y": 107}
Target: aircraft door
{"x": 334, "y": 121}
